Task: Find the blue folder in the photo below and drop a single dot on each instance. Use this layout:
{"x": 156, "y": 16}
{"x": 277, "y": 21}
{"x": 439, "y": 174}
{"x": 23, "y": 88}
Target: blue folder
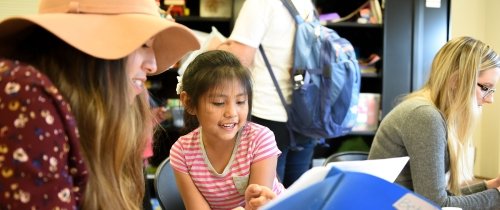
{"x": 344, "y": 190}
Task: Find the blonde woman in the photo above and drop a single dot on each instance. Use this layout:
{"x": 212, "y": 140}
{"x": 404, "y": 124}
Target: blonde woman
{"x": 73, "y": 104}
{"x": 434, "y": 127}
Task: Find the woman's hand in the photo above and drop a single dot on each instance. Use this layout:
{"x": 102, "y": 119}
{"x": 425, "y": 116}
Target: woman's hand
{"x": 493, "y": 183}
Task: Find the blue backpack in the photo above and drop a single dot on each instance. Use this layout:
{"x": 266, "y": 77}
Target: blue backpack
{"x": 326, "y": 80}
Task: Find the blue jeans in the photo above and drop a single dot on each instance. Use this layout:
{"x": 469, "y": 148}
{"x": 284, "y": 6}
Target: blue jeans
{"x": 291, "y": 163}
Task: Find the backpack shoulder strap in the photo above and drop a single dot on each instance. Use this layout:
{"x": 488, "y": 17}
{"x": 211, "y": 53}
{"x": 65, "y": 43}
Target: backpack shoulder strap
{"x": 293, "y": 143}
{"x": 273, "y": 77}
{"x": 293, "y": 11}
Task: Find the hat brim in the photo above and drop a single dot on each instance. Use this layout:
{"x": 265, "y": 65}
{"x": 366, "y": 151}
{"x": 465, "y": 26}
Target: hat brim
{"x": 112, "y": 36}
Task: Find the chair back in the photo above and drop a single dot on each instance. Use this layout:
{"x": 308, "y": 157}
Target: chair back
{"x": 166, "y": 188}
{"x": 346, "y": 156}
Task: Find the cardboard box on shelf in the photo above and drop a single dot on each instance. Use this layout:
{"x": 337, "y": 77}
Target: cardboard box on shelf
{"x": 368, "y": 112}
{"x": 216, "y": 8}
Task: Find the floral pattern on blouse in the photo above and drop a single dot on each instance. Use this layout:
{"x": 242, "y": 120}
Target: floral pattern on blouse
{"x": 41, "y": 165}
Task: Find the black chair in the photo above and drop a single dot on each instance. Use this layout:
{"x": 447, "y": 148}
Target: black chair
{"x": 346, "y": 156}
{"x": 166, "y": 189}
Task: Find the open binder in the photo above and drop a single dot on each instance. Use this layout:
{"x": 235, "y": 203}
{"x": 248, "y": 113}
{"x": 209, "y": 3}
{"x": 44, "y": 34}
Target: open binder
{"x": 347, "y": 189}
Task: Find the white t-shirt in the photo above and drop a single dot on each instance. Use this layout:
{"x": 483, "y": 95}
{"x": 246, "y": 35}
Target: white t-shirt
{"x": 269, "y": 23}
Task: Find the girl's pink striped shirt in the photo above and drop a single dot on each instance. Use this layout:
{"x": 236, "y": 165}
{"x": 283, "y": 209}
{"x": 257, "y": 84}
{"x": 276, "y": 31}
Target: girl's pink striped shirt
{"x": 225, "y": 190}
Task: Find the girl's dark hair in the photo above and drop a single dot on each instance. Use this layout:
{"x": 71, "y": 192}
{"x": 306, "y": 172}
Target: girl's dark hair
{"x": 206, "y": 72}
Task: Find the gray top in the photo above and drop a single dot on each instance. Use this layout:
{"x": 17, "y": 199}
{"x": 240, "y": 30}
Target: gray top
{"x": 416, "y": 128}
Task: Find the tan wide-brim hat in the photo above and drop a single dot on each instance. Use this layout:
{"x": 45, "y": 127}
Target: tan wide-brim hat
{"x": 107, "y": 29}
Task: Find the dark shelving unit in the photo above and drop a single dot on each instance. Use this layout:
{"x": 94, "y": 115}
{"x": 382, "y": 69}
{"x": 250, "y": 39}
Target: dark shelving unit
{"x": 353, "y": 25}
{"x": 204, "y": 24}
{"x": 406, "y": 41}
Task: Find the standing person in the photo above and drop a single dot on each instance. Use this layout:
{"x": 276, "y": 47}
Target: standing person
{"x": 434, "y": 127}
{"x": 223, "y": 153}
{"x": 274, "y": 29}
{"x": 73, "y": 105}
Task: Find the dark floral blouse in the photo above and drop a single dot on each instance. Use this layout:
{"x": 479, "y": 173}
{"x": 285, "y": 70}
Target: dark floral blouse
{"x": 41, "y": 165}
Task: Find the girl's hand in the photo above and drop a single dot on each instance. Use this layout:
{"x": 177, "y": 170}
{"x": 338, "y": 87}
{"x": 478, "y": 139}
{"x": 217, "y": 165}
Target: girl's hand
{"x": 256, "y": 196}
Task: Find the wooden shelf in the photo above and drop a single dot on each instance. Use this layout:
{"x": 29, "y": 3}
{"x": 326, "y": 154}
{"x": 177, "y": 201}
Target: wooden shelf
{"x": 370, "y": 75}
{"x": 353, "y": 25}
{"x": 204, "y": 19}
{"x": 223, "y": 24}
{"x": 362, "y": 133}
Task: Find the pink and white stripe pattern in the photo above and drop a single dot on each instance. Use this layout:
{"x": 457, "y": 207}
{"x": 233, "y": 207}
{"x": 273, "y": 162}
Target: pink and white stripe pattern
{"x": 256, "y": 143}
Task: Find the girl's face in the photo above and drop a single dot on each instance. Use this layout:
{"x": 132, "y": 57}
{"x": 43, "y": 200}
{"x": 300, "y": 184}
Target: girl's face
{"x": 222, "y": 111}
{"x": 486, "y": 82}
{"x": 140, "y": 63}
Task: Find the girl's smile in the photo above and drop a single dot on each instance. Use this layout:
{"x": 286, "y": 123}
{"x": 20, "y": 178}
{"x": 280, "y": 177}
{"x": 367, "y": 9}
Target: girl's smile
{"x": 223, "y": 111}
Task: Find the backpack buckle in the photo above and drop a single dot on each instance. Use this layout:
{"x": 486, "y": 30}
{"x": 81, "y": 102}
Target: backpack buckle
{"x": 298, "y": 81}
{"x": 317, "y": 31}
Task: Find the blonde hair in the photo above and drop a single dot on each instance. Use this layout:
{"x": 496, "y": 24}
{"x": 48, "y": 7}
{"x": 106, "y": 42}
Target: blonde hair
{"x": 112, "y": 128}
{"x": 451, "y": 87}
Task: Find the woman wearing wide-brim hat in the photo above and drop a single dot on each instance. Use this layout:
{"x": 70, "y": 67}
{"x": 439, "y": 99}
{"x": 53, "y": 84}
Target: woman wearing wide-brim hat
{"x": 73, "y": 102}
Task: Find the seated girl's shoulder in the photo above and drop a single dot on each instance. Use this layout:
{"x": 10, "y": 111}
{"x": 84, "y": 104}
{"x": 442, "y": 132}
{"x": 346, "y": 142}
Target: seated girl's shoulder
{"x": 417, "y": 105}
{"x": 254, "y": 127}
{"x": 416, "y": 108}
{"x": 190, "y": 137}
{"x": 256, "y": 131}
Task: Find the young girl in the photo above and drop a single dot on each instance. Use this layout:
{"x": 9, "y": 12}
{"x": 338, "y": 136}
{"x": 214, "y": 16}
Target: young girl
{"x": 224, "y": 153}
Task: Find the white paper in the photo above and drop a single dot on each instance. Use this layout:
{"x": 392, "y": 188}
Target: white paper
{"x": 387, "y": 169}
{"x": 433, "y": 3}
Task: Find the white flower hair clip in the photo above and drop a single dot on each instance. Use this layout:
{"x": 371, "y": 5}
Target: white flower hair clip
{"x": 178, "y": 88}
